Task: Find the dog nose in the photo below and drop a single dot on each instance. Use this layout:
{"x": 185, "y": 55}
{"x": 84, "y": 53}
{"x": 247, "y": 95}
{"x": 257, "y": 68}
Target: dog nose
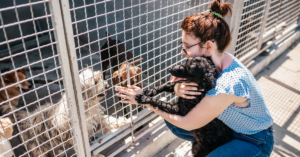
{"x": 173, "y": 70}
{"x": 107, "y": 86}
{"x": 30, "y": 86}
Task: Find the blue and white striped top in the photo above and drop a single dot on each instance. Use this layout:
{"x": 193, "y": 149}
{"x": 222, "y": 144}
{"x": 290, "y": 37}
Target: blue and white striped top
{"x": 237, "y": 79}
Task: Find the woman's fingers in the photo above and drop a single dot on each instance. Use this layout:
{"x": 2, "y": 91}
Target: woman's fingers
{"x": 129, "y": 99}
{"x": 190, "y": 83}
{"x": 123, "y": 96}
{"x": 126, "y": 102}
{"x": 124, "y": 90}
{"x": 187, "y": 97}
{"x": 184, "y": 92}
{"x": 192, "y": 93}
{"x": 190, "y": 86}
{"x": 133, "y": 87}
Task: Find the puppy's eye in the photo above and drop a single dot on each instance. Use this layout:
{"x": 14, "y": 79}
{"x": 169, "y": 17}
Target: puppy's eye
{"x": 96, "y": 82}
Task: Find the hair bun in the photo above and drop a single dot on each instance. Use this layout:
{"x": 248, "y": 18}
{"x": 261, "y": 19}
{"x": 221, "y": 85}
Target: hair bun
{"x": 221, "y": 8}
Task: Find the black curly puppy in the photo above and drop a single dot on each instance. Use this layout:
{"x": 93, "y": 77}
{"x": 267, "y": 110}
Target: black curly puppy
{"x": 202, "y": 71}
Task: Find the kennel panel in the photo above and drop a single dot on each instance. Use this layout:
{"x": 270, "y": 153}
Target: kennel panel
{"x": 27, "y": 42}
{"x": 289, "y": 13}
{"x": 148, "y": 29}
{"x": 282, "y": 15}
{"x": 249, "y": 30}
{"x": 263, "y": 23}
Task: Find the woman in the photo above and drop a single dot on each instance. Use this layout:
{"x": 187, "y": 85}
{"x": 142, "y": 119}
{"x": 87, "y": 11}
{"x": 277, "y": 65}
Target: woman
{"x": 236, "y": 99}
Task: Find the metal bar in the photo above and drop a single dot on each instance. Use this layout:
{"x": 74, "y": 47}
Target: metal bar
{"x": 247, "y": 29}
{"x": 235, "y": 24}
{"x": 66, "y": 49}
{"x": 260, "y": 39}
{"x": 24, "y": 21}
{"x": 286, "y": 11}
{"x": 129, "y": 29}
{"x": 23, "y": 5}
{"x": 279, "y": 29}
{"x": 123, "y": 9}
{"x": 252, "y": 16}
{"x": 252, "y": 10}
{"x": 286, "y": 4}
{"x": 155, "y": 126}
{"x": 26, "y": 51}
{"x": 277, "y": 21}
{"x": 130, "y": 106}
{"x": 27, "y": 36}
{"x": 125, "y": 132}
{"x": 255, "y": 52}
{"x": 113, "y": 137}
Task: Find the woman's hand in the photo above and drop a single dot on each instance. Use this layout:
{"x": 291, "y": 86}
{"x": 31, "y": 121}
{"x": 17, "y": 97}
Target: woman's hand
{"x": 128, "y": 93}
{"x": 184, "y": 89}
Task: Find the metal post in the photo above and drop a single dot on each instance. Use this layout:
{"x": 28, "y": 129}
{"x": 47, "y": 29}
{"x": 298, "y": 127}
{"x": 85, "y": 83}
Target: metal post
{"x": 274, "y": 33}
{"x": 61, "y": 21}
{"x": 227, "y": 18}
{"x": 130, "y": 105}
{"x": 235, "y": 21}
{"x": 262, "y": 30}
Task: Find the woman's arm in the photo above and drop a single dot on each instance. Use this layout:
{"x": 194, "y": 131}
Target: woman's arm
{"x": 203, "y": 113}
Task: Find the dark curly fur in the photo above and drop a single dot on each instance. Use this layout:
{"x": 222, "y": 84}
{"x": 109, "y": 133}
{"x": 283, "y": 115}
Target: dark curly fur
{"x": 202, "y": 71}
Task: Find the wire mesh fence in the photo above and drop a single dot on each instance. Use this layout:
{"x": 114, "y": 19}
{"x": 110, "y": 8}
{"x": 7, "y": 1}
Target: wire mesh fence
{"x": 31, "y": 74}
{"x": 250, "y": 25}
{"x": 60, "y": 62}
{"x": 263, "y": 23}
{"x": 281, "y": 16}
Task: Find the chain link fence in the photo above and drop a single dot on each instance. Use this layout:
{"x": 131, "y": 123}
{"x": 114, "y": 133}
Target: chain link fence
{"x": 60, "y": 61}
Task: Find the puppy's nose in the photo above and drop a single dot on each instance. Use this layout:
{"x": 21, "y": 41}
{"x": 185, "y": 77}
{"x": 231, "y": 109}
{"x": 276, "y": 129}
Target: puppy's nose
{"x": 173, "y": 70}
{"x": 107, "y": 86}
{"x": 30, "y": 86}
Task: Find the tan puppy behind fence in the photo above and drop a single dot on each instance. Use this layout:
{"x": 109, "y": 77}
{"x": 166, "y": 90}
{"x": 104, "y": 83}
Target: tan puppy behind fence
{"x": 12, "y": 91}
{"x": 120, "y": 78}
{"x": 9, "y": 97}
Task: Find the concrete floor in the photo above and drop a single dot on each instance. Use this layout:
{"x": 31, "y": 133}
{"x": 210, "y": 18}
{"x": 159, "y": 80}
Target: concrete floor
{"x": 280, "y": 84}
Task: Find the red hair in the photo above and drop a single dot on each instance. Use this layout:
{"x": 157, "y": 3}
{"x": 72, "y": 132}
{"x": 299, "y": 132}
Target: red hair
{"x": 207, "y": 26}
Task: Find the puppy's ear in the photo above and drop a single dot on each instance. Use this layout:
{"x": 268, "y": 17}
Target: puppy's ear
{"x": 10, "y": 77}
{"x": 107, "y": 34}
{"x": 23, "y": 71}
{"x": 138, "y": 70}
{"x": 178, "y": 71}
{"x": 115, "y": 78}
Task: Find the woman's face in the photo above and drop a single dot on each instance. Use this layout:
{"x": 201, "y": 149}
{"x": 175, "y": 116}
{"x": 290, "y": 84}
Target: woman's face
{"x": 189, "y": 40}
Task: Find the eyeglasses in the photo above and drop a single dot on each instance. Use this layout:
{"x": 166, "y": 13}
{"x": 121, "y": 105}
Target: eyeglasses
{"x": 184, "y": 49}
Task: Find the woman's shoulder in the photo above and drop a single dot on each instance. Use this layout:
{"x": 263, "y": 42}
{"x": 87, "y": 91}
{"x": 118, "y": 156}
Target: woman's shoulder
{"x": 232, "y": 80}
{"x": 235, "y": 71}
{"x": 234, "y": 76}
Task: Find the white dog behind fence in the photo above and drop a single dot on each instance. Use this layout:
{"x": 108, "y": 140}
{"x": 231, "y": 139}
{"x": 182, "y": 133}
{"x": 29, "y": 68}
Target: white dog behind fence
{"x": 47, "y": 130}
